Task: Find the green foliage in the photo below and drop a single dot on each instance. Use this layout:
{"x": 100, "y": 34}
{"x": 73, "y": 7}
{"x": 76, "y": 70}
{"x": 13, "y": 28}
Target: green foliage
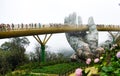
{"x": 108, "y": 69}
{"x": 113, "y": 68}
{"x": 4, "y": 64}
{"x": 29, "y": 66}
{"x": 58, "y": 68}
{"x": 110, "y": 64}
{"x": 51, "y": 67}
{"x": 24, "y": 74}
{"x": 33, "y": 65}
{"x": 84, "y": 73}
{"x": 12, "y": 54}
{"x": 41, "y": 68}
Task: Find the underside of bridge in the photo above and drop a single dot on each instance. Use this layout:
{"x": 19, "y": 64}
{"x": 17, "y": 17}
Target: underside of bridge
{"x": 43, "y": 44}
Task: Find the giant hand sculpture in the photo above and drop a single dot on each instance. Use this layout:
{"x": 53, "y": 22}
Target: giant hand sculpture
{"x": 84, "y": 43}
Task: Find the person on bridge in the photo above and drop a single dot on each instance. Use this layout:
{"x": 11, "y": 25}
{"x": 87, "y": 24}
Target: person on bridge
{"x": 39, "y": 25}
{"x": 35, "y": 25}
{"x": 3, "y": 27}
{"x": 32, "y": 25}
{"x": 0, "y": 27}
{"x": 12, "y": 26}
{"x": 22, "y": 26}
{"x": 26, "y": 26}
{"x": 18, "y": 26}
{"x": 29, "y": 26}
{"x": 8, "y": 27}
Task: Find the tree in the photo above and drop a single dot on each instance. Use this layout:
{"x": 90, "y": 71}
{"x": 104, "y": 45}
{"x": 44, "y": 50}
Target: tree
{"x": 15, "y": 43}
{"x": 16, "y": 47}
{"x": 4, "y": 65}
{"x": 32, "y": 56}
{"x": 38, "y": 53}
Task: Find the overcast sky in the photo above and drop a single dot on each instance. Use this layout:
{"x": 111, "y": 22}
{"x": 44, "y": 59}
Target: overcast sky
{"x": 54, "y": 11}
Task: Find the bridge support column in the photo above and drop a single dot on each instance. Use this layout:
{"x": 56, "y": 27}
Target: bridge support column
{"x": 42, "y": 43}
{"x": 115, "y": 37}
{"x": 43, "y": 53}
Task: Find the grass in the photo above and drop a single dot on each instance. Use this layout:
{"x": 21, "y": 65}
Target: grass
{"x": 57, "y": 68}
{"x": 47, "y": 69}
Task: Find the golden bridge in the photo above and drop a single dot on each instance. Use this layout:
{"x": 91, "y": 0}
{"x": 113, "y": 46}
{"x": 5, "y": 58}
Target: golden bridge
{"x": 55, "y": 28}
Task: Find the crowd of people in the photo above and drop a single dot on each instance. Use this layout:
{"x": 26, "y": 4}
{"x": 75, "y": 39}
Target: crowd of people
{"x": 4, "y": 27}
{"x": 8, "y": 27}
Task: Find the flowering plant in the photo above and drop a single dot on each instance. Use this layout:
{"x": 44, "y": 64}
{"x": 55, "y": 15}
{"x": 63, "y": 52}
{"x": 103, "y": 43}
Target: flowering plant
{"x": 111, "y": 62}
{"x": 106, "y": 64}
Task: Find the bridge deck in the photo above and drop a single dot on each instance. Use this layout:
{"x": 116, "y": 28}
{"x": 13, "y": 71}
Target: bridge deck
{"x": 54, "y": 29}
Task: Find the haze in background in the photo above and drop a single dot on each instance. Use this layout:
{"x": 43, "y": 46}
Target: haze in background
{"x": 54, "y": 11}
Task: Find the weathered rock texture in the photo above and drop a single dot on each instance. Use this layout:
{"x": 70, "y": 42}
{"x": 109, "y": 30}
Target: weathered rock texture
{"x": 84, "y": 43}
